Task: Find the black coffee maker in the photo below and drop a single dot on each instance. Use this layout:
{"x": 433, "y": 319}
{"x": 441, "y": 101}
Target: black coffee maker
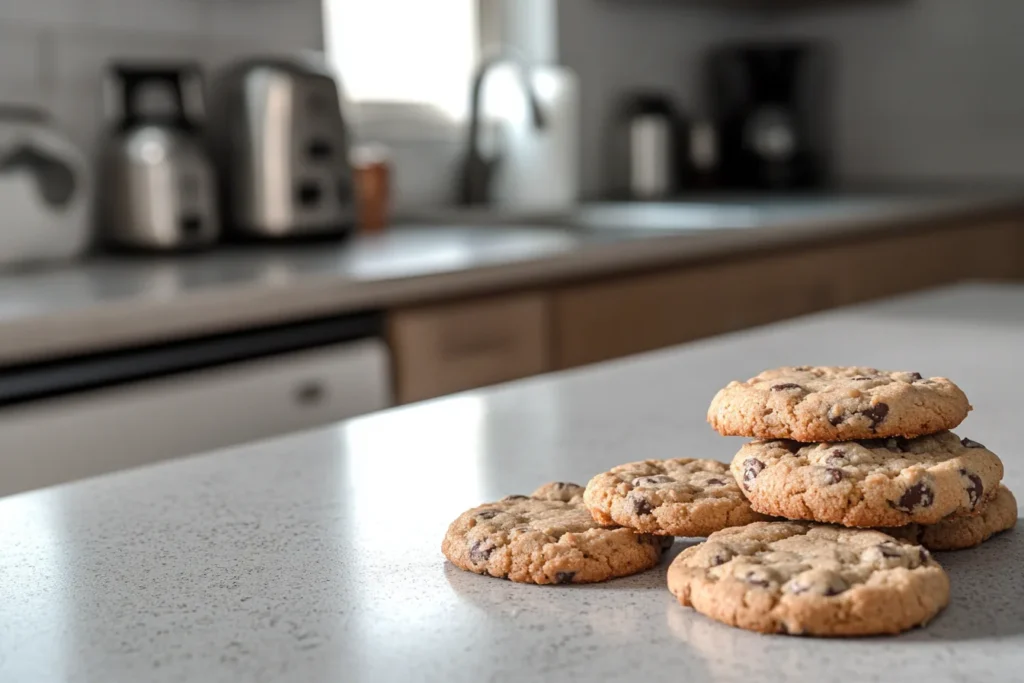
{"x": 770, "y": 102}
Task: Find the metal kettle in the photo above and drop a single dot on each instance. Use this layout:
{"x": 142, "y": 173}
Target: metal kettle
{"x": 157, "y": 185}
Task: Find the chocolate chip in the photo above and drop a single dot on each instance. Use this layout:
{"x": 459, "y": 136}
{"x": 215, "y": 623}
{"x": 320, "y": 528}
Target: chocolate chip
{"x": 876, "y": 413}
{"x": 915, "y": 376}
{"x": 889, "y": 550}
{"x": 488, "y": 514}
{"x": 480, "y": 551}
{"x": 515, "y": 497}
{"x": 802, "y": 368}
{"x": 791, "y": 446}
{"x": 861, "y": 378}
{"x": 920, "y": 495}
{"x": 923, "y": 555}
{"x": 898, "y": 444}
{"x": 969, "y": 443}
{"x": 559, "y": 485}
{"x": 786, "y": 387}
{"x": 836, "y": 420}
{"x": 833, "y": 475}
{"x": 751, "y": 468}
{"x": 640, "y": 505}
{"x": 721, "y": 557}
{"x": 651, "y": 481}
{"x": 715, "y": 482}
{"x": 837, "y": 457}
{"x": 975, "y": 489}
{"x": 564, "y": 577}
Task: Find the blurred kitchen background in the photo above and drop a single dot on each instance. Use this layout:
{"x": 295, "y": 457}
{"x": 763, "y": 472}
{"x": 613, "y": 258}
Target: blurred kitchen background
{"x": 224, "y": 220}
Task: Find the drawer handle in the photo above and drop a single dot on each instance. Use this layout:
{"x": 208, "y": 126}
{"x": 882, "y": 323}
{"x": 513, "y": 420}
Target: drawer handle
{"x": 310, "y": 393}
{"x": 456, "y": 348}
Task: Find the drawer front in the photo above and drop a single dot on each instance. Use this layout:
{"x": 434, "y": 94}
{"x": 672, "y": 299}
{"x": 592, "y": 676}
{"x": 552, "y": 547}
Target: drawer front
{"x": 604, "y": 320}
{"x": 443, "y": 349}
{"x": 81, "y": 435}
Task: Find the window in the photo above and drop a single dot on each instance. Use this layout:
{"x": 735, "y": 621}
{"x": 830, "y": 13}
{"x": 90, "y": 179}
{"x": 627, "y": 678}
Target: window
{"x": 415, "y": 52}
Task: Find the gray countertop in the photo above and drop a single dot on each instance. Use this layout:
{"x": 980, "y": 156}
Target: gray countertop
{"x": 316, "y": 556}
{"x": 110, "y": 303}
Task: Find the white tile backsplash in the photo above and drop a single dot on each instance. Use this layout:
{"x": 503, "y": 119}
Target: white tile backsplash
{"x": 21, "y": 57}
{"x": 82, "y": 57}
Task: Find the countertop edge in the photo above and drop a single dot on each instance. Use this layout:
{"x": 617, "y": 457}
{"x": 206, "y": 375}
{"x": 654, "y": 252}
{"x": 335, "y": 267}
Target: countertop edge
{"x": 132, "y": 323}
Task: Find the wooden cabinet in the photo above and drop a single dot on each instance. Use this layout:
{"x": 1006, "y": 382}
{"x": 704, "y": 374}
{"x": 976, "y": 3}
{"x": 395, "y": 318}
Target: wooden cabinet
{"x": 609, "y": 319}
{"x": 884, "y": 266}
{"x": 451, "y": 347}
{"x": 616, "y": 317}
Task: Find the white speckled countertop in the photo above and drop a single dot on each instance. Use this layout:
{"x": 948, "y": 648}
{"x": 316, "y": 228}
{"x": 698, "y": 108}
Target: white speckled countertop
{"x": 316, "y": 557}
{"x": 111, "y": 303}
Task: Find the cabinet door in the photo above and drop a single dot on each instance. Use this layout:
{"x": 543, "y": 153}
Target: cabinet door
{"x": 452, "y": 347}
{"x": 889, "y": 265}
{"x": 604, "y": 320}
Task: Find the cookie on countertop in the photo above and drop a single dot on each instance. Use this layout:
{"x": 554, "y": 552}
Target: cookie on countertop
{"x": 814, "y": 404}
{"x": 680, "y": 497}
{"x": 869, "y": 483}
{"x": 960, "y": 532}
{"x": 548, "y": 537}
{"x": 809, "y": 579}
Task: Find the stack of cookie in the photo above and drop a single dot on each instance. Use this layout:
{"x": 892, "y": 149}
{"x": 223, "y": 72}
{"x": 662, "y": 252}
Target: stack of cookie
{"x": 864, "y": 448}
{"x": 854, "y": 447}
{"x": 838, "y": 449}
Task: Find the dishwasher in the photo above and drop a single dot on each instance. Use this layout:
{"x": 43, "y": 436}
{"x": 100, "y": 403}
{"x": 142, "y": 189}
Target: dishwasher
{"x": 68, "y": 419}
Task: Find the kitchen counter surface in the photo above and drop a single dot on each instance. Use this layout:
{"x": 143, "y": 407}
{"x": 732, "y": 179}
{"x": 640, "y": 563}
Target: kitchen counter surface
{"x": 112, "y": 303}
{"x": 316, "y": 556}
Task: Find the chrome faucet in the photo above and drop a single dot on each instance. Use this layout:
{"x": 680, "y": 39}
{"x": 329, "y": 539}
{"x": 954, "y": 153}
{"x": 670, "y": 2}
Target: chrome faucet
{"x": 478, "y": 172}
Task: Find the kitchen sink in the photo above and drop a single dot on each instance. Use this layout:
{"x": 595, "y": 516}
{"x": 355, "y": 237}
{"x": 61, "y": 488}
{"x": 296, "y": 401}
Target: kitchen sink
{"x": 717, "y": 212}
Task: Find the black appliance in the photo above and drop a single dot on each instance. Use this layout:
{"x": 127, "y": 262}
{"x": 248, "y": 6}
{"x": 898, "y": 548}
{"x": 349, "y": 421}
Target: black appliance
{"x": 770, "y": 103}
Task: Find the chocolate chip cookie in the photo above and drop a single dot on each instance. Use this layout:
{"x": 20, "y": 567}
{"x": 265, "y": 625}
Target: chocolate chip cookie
{"x": 548, "y": 537}
{"x": 809, "y": 579}
{"x": 868, "y": 483}
{"x": 681, "y": 497}
{"x": 963, "y": 531}
{"x": 837, "y": 404}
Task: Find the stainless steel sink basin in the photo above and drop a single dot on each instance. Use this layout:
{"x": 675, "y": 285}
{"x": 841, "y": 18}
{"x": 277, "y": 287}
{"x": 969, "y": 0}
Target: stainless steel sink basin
{"x": 734, "y": 212}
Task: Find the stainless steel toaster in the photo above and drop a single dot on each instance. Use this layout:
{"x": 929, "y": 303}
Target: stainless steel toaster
{"x": 282, "y": 149}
